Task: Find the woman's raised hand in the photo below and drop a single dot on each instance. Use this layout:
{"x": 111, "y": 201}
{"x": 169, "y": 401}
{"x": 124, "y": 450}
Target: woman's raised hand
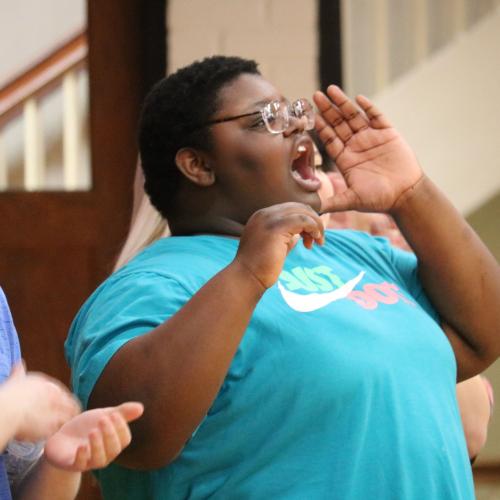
{"x": 376, "y": 162}
{"x": 92, "y": 439}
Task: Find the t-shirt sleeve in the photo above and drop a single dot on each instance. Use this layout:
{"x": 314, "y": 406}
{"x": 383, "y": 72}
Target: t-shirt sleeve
{"x": 405, "y": 268}
{"x": 10, "y": 352}
{"x": 122, "y": 310}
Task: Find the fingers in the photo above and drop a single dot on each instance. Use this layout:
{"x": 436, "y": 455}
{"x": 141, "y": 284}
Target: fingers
{"x": 333, "y": 116}
{"x": 121, "y": 431}
{"x": 376, "y": 117}
{"x": 130, "y": 411}
{"x": 307, "y": 240}
{"x": 105, "y": 442}
{"x": 333, "y": 144}
{"x": 340, "y": 113}
{"x": 82, "y": 457}
{"x": 347, "y": 109}
{"x": 339, "y": 118}
{"x": 291, "y": 219}
{"x": 269, "y": 236}
{"x": 98, "y": 457}
{"x": 93, "y": 439}
{"x": 309, "y": 228}
{"x": 303, "y": 220}
{"x": 115, "y": 435}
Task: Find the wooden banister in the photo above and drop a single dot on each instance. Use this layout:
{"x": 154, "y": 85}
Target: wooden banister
{"x": 41, "y": 77}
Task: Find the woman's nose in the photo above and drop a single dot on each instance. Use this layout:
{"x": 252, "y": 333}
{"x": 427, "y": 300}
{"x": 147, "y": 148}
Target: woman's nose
{"x": 295, "y": 125}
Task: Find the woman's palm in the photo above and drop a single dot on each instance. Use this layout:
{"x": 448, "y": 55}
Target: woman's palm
{"x": 377, "y": 164}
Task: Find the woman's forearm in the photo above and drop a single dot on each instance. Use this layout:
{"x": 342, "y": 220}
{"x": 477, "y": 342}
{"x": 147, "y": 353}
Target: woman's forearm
{"x": 458, "y": 273}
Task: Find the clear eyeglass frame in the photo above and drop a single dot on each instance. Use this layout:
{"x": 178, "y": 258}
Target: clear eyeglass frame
{"x": 277, "y": 115}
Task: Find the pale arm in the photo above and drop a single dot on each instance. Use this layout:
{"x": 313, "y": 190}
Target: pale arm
{"x": 89, "y": 441}
{"x": 475, "y": 410}
{"x": 33, "y": 406}
{"x": 10, "y": 415}
{"x": 46, "y": 482}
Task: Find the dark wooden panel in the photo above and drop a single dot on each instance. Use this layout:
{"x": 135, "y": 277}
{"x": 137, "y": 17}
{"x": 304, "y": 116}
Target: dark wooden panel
{"x": 48, "y": 286}
{"x": 57, "y": 247}
{"x": 330, "y": 43}
{"x": 33, "y": 219}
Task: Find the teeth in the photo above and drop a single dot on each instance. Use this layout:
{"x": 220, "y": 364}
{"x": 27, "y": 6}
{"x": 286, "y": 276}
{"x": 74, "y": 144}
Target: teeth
{"x": 301, "y": 150}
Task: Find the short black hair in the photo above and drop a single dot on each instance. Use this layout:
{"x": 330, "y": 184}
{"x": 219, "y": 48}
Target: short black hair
{"x": 171, "y": 117}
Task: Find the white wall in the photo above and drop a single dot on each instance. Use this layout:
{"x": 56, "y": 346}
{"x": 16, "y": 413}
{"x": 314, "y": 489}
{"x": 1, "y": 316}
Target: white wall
{"x": 279, "y": 34}
{"x": 448, "y": 109}
{"x": 29, "y": 29}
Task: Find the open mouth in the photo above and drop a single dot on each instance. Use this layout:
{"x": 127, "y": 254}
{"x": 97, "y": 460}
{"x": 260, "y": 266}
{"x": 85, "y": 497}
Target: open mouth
{"x": 303, "y": 167}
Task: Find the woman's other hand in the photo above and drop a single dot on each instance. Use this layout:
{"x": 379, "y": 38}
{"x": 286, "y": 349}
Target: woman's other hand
{"x": 271, "y": 233}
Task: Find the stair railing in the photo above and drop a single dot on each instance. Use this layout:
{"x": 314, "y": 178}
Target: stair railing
{"x": 22, "y": 97}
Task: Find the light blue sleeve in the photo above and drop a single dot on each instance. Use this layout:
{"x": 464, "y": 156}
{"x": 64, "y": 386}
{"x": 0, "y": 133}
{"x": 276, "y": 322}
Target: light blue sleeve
{"x": 10, "y": 352}
{"x": 122, "y": 309}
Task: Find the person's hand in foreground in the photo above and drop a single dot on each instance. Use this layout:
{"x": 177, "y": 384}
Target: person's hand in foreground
{"x": 92, "y": 439}
{"x": 34, "y": 406}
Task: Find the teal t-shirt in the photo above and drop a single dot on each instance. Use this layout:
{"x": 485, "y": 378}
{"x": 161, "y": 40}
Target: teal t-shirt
{"x": 343, "y": 386}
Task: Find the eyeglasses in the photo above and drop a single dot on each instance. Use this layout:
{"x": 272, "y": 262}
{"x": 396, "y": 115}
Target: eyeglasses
{"x": 276, "y": 115}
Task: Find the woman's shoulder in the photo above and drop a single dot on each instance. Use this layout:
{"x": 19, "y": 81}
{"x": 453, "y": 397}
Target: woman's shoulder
{"x": 180, "y": 261}
{"x": 353, "y": 237}
{"x": 364, "y": 247}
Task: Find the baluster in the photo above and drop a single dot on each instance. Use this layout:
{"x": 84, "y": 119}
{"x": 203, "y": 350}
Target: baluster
{"x": 34, "y": 165}
{"x": 70, "y": 131}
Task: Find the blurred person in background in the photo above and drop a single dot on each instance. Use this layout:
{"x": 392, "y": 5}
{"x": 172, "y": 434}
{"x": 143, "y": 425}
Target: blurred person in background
{"x": 35, "y": 407}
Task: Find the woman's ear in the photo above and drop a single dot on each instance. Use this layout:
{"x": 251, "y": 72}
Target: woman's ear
{"x": 195, "y": 166}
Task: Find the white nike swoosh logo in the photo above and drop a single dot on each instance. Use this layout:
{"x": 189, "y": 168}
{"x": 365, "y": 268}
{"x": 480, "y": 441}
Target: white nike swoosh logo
{"x": 313, "y": 301}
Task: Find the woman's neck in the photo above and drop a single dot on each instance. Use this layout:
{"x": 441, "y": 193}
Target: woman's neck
{"x": 205, "y": 224}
